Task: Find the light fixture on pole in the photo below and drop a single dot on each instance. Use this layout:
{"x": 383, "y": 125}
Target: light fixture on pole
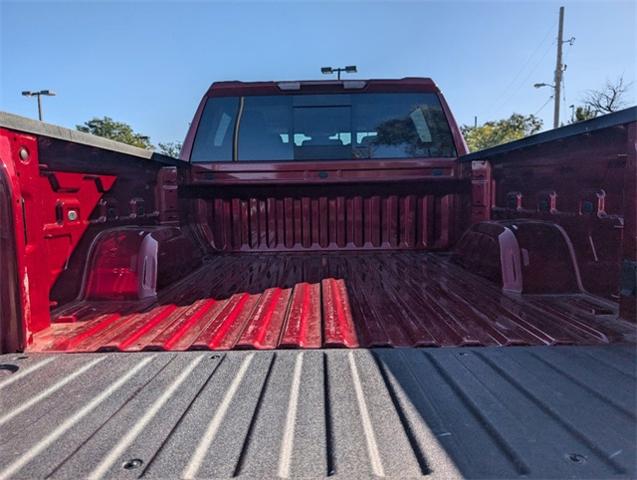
{"x": 540, "y": 85}
{"x": 331, "y": 70}
{"x": 39, "y": 94}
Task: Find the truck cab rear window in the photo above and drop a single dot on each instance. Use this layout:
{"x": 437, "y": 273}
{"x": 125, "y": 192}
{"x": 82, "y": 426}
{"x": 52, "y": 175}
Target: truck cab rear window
{"x": 322, "y": 127}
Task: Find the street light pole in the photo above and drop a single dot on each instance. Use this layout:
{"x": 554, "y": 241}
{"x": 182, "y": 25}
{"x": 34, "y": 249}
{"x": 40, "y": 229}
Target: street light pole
{"x": 48, "y": 93}
{"x": 330, "y": 70}
{"x": 39, "y": 107}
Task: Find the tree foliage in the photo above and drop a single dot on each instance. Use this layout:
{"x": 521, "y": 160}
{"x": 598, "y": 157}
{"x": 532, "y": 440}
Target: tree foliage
{"x": 119, "y": 131}
{"x": 497, "y": 132}
{"x": 583, "y": 113}
{"x": 171, "y": 149}
{"x": 401, "y": 131}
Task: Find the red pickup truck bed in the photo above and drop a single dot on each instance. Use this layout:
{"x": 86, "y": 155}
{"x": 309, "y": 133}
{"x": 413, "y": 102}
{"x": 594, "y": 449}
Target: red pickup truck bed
{"x": 384, "y": 233}
{"x": 266, "y": 301}
{"x": 317, "y": 254}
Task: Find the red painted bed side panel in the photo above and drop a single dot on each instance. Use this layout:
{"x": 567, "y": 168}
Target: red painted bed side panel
{"x": 627, "y": 304}
{"x": 55, "y": 207}
{"x": 9, "y": 152}
{"x": 581, "y": 183}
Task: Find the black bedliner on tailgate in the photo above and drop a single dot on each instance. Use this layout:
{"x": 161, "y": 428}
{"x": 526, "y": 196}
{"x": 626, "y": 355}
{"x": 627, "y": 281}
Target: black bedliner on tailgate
{"x": 473, "y": 412}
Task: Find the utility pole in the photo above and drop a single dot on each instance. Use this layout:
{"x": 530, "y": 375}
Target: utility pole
{"x": 559, "y": 69}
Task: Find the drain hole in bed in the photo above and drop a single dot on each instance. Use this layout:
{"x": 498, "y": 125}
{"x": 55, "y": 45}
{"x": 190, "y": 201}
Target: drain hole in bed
{"x": 132, "y": 464}
{"x": 576, "y": 458}
{"x": 7, "y": 369}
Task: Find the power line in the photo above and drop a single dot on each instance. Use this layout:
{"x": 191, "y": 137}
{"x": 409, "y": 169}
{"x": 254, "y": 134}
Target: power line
{"x": 544, "y": 105}
{"x": 505, "y": 91}
{"x": 526, "y": 63}
{"x": 528, "y": 76}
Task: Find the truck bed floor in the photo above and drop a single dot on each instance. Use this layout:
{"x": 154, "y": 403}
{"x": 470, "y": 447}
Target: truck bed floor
{"x": 518, "y": 412}
{"x": 247, "y": 301}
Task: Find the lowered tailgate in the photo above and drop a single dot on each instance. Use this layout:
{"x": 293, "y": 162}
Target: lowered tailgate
{"x": 472, "y": 412}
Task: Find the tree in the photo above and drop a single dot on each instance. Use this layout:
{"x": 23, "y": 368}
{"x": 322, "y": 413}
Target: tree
{"x": 608, "y": 99}
{"x": 583, "y": 113}
{"x": 121, "y": 132}
{"x": 495, "y": 133}
{"x": 171, "y": 149}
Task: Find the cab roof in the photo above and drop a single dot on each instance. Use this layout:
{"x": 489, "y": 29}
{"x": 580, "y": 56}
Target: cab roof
{"x": 408, "y": 84}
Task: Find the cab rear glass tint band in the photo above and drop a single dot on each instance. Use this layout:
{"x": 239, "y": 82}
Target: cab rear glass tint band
{"x": 323, "y": 127}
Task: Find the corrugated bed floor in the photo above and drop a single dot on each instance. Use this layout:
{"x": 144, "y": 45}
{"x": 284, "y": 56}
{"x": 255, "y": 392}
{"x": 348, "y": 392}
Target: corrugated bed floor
{"x": 332, "y": 300}
{"x": 518, "y": 412}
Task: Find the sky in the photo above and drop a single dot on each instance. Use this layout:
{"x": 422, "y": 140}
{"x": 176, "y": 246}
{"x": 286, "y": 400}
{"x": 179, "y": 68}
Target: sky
{"x": 147, "y": 63}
